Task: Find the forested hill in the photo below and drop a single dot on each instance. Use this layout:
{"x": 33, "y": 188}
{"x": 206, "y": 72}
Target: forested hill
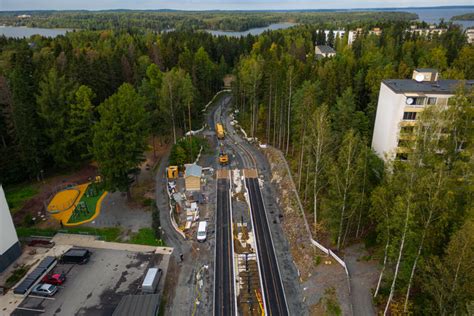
{"x": 188, "y": 20}
{"x": 99, "y": 95}
{"x": 464, "y": 17}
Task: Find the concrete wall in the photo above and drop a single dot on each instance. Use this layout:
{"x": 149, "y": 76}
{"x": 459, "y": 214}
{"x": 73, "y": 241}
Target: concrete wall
{"x": 389, "y": 113}
{"x": 9, "y": 246}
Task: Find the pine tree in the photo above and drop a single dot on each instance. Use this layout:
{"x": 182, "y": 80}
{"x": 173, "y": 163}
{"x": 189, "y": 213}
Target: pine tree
{"x": 120, "y": 137}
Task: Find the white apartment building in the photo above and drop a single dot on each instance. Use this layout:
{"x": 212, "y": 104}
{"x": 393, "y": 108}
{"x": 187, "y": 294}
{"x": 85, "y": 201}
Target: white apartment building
{"x": 470, "y": 36}
{"x": 399, "y": 103}
{"x": 10, "y": 248}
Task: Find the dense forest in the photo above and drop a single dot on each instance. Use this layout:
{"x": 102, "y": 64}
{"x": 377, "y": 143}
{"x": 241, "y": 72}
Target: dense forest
{"x": 56, "y": 87}
{"x": 321, "y": 113}
{"x": 159, "y": 21}
{"x": 97, "y": 95}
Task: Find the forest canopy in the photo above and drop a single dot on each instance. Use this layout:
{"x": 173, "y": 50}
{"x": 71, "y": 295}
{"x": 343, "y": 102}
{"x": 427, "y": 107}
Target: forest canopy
{"x": 159, "y": 21}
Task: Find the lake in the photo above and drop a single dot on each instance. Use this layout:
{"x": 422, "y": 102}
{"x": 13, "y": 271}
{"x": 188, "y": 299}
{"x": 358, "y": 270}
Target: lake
{"x": 20, "y": 32}
{"x": 254, "y": 31}
{"x": 434, "y": 15}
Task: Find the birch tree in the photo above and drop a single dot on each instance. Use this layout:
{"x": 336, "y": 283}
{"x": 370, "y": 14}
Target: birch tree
{"x": 319, "y": 141}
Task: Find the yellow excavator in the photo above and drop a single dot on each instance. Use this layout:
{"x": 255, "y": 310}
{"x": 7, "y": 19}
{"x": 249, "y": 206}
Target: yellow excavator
{"x": 223, "y": 158}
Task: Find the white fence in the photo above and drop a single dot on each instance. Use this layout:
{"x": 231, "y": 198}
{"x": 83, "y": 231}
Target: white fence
{"x": 314, "y": 242}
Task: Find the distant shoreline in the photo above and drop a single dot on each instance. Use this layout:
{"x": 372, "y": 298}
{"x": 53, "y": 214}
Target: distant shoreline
{"x": 241, "y": 10}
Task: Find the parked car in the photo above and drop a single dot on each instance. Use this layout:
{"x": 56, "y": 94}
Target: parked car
{"x": 76, "y": 255}
{"x": 44, "y": 289}
{"x": 54, "y": 279}
{"x": 202, "y": 231}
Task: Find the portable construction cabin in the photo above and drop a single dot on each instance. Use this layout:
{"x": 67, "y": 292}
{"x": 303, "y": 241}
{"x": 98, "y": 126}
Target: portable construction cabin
{"x": 192, "y": 177}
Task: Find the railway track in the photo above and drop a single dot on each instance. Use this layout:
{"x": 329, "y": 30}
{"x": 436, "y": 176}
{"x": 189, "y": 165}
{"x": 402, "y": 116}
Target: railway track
{"x": 224, "y": 295}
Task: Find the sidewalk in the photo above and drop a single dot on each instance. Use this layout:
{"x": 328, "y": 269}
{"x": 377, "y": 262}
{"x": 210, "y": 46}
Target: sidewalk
{"x": 88, "y": 241}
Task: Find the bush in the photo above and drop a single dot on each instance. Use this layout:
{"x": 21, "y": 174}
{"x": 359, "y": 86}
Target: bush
{"x": 186, "y": 150}
{"x": 16, "y": 276}
{"x": 155, "y": 222}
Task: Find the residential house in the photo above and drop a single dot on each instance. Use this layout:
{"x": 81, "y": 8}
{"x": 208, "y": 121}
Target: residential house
{"x": 323, "y": 51}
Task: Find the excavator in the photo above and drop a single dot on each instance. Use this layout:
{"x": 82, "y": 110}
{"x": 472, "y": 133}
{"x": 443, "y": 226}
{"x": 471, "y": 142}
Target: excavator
{"x": 223, "y": 158}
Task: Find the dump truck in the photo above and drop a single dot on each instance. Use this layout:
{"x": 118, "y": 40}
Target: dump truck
{"x": 220, "y": 131}
{"x": 172, "y": 172}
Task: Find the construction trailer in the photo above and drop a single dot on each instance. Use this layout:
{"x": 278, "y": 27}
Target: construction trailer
{"x": 172, "y": 172}
{"x": 192, "y": 177}
{"x": 220, "y": 131}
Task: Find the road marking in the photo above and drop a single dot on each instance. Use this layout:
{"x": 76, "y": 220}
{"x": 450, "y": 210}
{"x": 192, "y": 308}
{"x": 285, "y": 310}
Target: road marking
{"x": 42, "y": 297}
{"x": 32, "y": 309}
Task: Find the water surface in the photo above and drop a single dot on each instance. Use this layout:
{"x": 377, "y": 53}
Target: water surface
{"x": 254, "y": 31}
{"x": 21, "y": 31}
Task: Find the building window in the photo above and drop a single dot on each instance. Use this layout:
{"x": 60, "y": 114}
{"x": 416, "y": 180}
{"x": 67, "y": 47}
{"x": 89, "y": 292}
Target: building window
{"x": 432, "y": 101}
{"x": 409, "y": 116}
{"x": 419, "y": 101}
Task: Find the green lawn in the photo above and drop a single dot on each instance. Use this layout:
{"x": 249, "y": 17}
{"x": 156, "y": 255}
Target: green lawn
{"x": 18, "y": 195}
{"x": 107, "y": 234}
{"x": 145, "y": 236}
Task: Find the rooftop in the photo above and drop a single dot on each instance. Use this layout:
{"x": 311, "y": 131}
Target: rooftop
{"x": 144, "y": 305}
{"x": 447, "y": 86}
{"x": 326, "y": 49}
{"x": 193, "y": 170}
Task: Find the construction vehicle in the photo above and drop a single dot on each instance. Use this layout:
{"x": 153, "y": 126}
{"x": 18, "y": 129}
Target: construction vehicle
{"x": 172, "y": 172}
{"x": 220, "y": 131}
{"x": 223, "y": 158}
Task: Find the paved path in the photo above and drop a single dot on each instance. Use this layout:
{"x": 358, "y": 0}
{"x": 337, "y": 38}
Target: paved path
{"x": 363, "y": 279}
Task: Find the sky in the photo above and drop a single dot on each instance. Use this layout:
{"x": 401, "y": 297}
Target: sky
{"x": 13, "y": 5}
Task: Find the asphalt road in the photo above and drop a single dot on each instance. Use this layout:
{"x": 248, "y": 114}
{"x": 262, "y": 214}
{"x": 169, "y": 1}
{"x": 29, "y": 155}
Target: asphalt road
{"x": 224, "y": 302}
{"x": 275, "y": 300}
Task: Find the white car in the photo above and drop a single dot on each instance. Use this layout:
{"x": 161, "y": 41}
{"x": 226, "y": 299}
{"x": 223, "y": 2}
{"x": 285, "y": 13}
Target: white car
{"x": 202, "y": 231}
{"x": 44, "y": 289}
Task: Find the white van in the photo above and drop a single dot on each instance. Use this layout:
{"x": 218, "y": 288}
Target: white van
{"x": 202, "y": 231}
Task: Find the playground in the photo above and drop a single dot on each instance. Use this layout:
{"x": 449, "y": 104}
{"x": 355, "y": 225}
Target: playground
{"x": 77, "y": 204}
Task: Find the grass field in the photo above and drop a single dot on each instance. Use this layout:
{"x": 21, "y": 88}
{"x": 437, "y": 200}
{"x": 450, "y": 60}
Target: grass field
{"x": 18, "y": 195}
{"x": 145, "y": 236}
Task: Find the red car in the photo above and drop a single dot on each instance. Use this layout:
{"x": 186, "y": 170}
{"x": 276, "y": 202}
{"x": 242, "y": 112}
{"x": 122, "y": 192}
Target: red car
{"x": 54, "y": 279}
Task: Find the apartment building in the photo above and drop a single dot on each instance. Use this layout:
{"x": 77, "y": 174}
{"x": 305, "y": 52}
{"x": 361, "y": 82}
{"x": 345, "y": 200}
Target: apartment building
{"x": 10, "y": 248}
{"x": 399, "y": 104}
{"x": 470, "y": 36}
{"x": 431, "y": 30}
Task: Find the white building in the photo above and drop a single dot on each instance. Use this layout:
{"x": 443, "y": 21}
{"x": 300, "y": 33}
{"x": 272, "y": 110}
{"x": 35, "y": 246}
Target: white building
{"x": 10, "y": 248}
{"x": 322, "y": 51}
{"x": 470, "y": 36}
{"x": 432, "y": 30}
{"x": 400, "y": 100}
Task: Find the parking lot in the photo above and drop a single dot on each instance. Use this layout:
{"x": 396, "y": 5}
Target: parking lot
{"x": 96, "y": 287}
